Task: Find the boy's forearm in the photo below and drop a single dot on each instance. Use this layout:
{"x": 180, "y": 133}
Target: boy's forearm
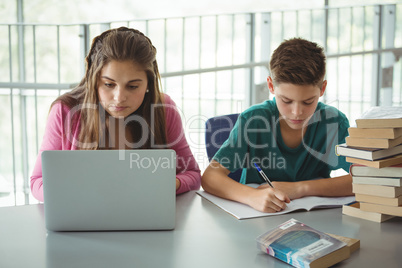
{"x": 220, "y": 185}
{"x": 337, "y": 186}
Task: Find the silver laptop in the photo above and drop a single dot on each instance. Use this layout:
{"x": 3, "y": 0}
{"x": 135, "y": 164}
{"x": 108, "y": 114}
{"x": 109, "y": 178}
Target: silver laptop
{"x": 109, "y": 190}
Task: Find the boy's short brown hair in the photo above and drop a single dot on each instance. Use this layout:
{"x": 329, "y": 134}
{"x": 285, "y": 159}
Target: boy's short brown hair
{"x": 298, "y": 61}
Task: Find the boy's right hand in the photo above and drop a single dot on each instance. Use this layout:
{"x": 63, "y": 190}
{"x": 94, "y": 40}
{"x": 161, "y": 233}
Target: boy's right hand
{"x": 268, "y": 200}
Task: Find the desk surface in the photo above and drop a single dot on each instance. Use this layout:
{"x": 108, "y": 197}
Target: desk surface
{"x": 205, "y": 236}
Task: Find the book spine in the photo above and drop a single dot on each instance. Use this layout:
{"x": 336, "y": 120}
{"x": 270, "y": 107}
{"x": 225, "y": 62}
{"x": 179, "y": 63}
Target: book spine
{"x": 387, "y": 162}
{"x": 376, "y": 190}
{"x": 354, "y": 210}
{"x": 379, "y": 123}
{"x": 362, "y": 170}
{"x": 396, "y": 182}
{"x": 368, "y": 143}
{"x": 380, "y": 133}
{"x": 395, "y": 211}
{"x": 394, "y": 202}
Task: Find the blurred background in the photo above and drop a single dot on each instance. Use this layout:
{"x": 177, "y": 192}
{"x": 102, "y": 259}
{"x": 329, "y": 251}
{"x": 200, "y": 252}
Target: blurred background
{"x": 213, "y": 58}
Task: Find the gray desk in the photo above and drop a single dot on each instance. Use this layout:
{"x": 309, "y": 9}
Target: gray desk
{"x": 205, "y": 236}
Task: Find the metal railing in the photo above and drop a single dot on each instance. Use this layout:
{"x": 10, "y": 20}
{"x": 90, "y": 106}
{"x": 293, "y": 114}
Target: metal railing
{"x": 210, "y": 65}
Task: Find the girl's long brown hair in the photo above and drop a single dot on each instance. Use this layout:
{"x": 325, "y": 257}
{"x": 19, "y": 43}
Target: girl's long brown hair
{"x": 119, "y": 44}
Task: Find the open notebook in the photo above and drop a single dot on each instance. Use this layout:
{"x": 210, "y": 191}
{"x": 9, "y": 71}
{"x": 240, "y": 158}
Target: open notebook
{"x": 242, "y": 211}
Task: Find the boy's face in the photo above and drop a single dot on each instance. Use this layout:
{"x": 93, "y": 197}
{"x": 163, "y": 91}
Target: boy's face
{"x": 296, "y": 103}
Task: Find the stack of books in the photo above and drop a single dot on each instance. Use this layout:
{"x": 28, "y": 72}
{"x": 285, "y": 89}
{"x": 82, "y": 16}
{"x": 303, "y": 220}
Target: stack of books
{"x": 374, "y": 147}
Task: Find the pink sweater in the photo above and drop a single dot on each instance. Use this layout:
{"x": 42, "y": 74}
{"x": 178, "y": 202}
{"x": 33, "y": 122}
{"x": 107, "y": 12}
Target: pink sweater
{"x": 59, "y": 127}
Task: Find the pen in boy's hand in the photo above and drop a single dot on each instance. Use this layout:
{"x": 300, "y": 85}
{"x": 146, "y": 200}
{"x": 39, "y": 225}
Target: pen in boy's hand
{"x": 263, "y": 175}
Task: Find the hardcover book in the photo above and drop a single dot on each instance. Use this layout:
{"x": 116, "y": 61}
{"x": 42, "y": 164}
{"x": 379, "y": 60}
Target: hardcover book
{"x": 381, "y": 163}
{"x": 354, "y": 210}
{"x": 394, "y": 201}
{"x": 367, "y": 153}
{"x": 302, "y": 246}
{"x": 362, "y": 170}
{"x": 389, "y": 210}
{"x": 373, "y": 143}
{"x": 377, "y": 190}
{"x": 381, "y": 117}
{"x": 379, "y": 133}
{"x": 396, "y": 182}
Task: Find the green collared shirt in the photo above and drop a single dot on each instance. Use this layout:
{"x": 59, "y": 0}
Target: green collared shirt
{"x": 256, "y": 138}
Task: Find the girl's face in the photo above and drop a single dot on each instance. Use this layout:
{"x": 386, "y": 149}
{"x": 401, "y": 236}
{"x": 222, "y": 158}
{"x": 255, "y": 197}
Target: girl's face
{"x": 296, "y": 103}
{"x": 122, "y": 87}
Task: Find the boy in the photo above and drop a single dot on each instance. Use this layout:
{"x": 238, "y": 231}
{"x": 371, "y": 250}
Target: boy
{"x": 292, "y": 138}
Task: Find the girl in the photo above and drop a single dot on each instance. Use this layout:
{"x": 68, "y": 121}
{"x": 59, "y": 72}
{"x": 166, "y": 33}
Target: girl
{"x": 118, "y": 105}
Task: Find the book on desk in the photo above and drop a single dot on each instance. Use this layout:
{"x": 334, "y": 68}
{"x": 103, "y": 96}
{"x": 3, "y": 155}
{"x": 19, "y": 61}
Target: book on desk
{"x": 381, "y": 117}
{"x": 386, "y": 181}
{"x": 300, "y": 245}
{"x": 353, "y": 209}
{"x": 375, "y": 133}
{"x": 367, "y": 153}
